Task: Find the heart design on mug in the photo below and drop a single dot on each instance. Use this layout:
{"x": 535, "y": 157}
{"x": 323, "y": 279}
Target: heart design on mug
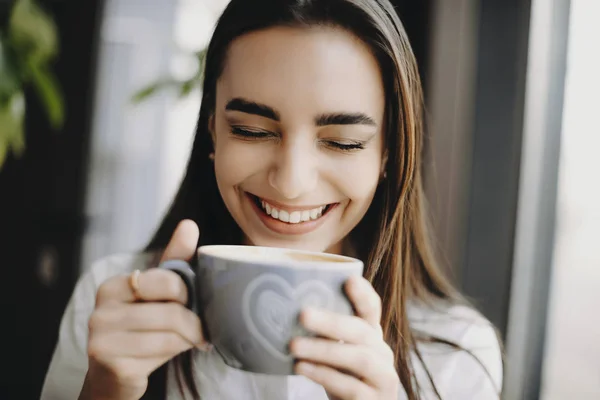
{"x": 271, "y": 306}
{"x": 276, "y": 315}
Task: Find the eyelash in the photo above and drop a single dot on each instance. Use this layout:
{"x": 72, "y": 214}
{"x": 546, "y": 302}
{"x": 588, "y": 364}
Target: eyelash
{"x": 250, "y": 134}
{"x": 247, "y": 134}
{"x": 355, "y": 145}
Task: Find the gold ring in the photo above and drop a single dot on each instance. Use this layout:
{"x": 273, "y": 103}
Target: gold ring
{"x": 134, "y": 283}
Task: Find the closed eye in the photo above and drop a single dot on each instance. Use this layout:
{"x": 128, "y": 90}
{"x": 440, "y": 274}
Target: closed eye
{"x": 251, "y": 133}
{"x": 345, "y": 145}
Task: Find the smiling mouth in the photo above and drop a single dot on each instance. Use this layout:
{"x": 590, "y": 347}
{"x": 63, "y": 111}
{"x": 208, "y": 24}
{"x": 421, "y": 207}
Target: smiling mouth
{"x": 291, "y": 216}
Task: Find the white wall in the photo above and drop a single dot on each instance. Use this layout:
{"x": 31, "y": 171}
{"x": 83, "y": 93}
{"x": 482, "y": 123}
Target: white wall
{"x": 572, "y": 363}
{"x": 139, "y": 151}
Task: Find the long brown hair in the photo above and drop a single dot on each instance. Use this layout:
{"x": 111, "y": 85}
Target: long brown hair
{"x": 392, "y": 239}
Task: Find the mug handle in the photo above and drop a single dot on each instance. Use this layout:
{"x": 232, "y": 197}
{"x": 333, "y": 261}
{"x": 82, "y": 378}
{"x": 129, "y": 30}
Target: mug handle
{"x": 187, "y": 274}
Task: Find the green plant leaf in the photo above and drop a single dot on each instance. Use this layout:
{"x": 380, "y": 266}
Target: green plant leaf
{"x": 5, "y": 133}
{"x": 12, "y": 115}
{"x": 17, "y": 110}
{"x": 201, "y": 55}
{"x": 49, "y": 94}
{"x": 3, "y": 148}
{"x": 32, "y": 32}
{"x": 186, "y": 87}
{"x": 27, "y": 46}
{"x": 148, "y": 91}
{"x": 9, "y": 79}
{"x": 152, "y": 89}
{"x": 183, "y": 87}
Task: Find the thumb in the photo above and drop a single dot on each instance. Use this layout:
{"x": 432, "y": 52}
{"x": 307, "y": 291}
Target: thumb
{"x": 183, "y": 243}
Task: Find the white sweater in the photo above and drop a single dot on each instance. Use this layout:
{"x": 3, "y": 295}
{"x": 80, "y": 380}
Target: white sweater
{"x": 457, "y": 374}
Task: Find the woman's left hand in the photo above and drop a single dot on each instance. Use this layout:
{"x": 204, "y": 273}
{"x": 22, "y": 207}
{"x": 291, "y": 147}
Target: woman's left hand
{"x": 350, "y": 359}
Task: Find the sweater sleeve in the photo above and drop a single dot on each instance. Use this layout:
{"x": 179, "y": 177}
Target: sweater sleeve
{"x": 69, "y": 363}
{"x": 472, "y": 369}
{"x": 476, "y": 372}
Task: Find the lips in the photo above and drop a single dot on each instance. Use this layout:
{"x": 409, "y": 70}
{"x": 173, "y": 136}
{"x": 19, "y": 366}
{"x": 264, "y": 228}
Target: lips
{"x": 290, "y": 220}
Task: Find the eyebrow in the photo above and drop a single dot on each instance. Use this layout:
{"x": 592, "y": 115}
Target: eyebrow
{"x": 344, "y": 119}
{"x": 263, "y": 110}
{"x": 251, "y": 107}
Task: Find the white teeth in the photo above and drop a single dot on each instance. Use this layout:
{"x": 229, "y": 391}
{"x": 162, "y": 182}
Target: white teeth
{"x": 305, "y": 216}
{"x": 293, "y": 217}
{"x": 314, "y": 213}
{"x": 284, "y": 216}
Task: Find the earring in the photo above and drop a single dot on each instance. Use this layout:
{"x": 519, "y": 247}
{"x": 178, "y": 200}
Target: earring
{"x": 211, "y": 156}
{"x": 384, "y": 174}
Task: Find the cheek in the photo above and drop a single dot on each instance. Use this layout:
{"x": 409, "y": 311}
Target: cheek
{"x": 358, "y": 179}
{"x": 235, "y": 161}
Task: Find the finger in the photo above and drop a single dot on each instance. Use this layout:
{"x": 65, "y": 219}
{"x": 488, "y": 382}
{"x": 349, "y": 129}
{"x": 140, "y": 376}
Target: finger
{"x": 137, "y": 345}
{"x": 183, "y": 243}
{"x": 350, "y": 329}
{"x": 360, "y": 361}
{"x": 140, "y": 317}
{"x": 153, "y": 285}
{"x": 365, "y": 300}
{"x": 343, "y": 386}
{"x": 132, "y": 367}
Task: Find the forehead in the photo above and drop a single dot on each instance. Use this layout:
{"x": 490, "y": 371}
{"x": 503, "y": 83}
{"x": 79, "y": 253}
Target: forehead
{"x": 315, "y": 69}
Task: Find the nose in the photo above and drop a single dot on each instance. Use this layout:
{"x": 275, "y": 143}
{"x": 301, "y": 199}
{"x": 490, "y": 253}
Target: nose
{"x": 295, "y": 172}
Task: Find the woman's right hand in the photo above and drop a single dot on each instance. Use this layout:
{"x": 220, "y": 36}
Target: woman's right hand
{"x": 131, "y": 337}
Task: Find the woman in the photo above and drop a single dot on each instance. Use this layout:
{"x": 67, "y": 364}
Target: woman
{"x": 309, "y": 137}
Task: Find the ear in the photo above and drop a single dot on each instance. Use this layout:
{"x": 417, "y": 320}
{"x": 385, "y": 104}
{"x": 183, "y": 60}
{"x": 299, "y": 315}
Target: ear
{"x": 384, "y": 160}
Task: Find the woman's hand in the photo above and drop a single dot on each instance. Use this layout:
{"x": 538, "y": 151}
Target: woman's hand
{"x": 130, "y": 337}
{"x": 351, "y": 360}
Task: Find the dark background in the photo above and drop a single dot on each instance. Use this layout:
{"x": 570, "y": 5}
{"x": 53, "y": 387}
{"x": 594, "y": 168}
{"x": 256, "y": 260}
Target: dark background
{"x": 42, "y": 206}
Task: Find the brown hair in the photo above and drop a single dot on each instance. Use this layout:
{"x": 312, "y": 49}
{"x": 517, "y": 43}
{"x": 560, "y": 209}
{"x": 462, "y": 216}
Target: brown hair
{"x": 393, "y": 238}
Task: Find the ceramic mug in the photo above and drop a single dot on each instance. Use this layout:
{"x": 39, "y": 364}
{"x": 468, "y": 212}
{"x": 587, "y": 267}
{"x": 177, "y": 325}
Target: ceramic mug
{"x": 249, "y": 298}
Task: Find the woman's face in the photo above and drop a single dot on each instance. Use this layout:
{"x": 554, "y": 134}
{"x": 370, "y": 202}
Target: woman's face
{"x": 298, "y": 134}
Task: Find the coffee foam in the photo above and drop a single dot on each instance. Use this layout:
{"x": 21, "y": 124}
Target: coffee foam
{"x": 273, "y": 255}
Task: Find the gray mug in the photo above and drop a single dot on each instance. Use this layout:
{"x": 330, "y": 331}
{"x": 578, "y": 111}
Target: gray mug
{"x": 249, "y": 298}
